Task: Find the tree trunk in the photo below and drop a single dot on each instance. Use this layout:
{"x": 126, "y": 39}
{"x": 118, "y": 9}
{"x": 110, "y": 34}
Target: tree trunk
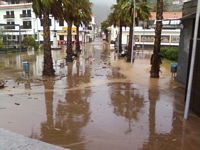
{"x": 78, "y": 47}
{"x": 155, "y": 58}
{"x": 48, "y": 63}
{"x": 69, "y": 42}
{"x": 120, "y": 37}
{"x": 130, "y": 43}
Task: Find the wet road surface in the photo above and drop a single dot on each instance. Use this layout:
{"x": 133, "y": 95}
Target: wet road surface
{"x": 95, "y": 103}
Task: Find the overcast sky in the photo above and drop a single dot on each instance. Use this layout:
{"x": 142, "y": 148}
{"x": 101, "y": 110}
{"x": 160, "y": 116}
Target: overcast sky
{"x": 101, "y": 8}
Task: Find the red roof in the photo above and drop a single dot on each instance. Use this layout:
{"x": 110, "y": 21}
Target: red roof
{"x": 167, "y": 15}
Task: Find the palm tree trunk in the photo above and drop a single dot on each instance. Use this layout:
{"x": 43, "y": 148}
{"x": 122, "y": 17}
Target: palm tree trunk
{"x": 130, "y": 43}
{"x": 48, "y": 63}
{"x": 120, "y": 37}
{"x": 78, "y": 47}
{"x": 155, "y": 58}
{"x": 69, "y": 42}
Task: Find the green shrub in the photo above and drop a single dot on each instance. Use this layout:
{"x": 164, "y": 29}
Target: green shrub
{"x": 1, "y": 43}
{"x": 170, "y": 53}
{"x": 30, "y": 42}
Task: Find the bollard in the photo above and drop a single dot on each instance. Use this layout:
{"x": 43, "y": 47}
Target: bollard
{"x": 25, "y": 65}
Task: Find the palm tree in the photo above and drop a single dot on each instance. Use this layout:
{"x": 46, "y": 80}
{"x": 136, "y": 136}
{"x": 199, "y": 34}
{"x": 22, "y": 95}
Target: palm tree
{"x": 143, "y": 12}
{"x": 118, "y": 17}
{"x": 82, "y": 16}
{"x": 42, "y": 10}
{"x": 155, "y": 58}
{"x": 104, "y": 27}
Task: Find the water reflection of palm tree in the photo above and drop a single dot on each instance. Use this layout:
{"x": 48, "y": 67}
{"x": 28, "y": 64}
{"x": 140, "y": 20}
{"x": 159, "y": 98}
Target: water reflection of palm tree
{"x": 73, "y": 113}
{"x": 154, "y": 96}
{"x": 127, "y": 101}
{"x": 48, "y": 127}
{"x": 163, "y": 138}
{"x": 64, "y": 126}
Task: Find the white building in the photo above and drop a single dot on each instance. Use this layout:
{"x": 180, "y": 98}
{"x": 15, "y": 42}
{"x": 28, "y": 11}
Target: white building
{"x": 19, "y": 19}
{"x": 169, "y": 37}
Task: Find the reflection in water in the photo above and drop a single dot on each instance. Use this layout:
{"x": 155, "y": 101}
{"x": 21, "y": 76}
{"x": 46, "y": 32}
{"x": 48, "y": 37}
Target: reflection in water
{"x": 63, "y": 127}
{"x": 97, "y": 103}
{"x": 13, "y": 62}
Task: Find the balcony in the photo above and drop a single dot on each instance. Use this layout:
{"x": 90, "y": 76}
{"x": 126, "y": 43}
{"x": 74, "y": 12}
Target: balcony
{"x": 9, "y": 27}
{"x": 26, "y": 27}
{"x": 9, "y": 16}
{"x": 25, "y": 15}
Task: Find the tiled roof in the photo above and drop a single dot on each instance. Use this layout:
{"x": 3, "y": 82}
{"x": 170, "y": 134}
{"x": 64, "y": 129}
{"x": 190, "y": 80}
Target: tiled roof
{"x": 167, "y": 15}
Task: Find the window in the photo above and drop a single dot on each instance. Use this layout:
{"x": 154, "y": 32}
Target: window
{"x": 61, "y": 37}
{"x": 26, "y": 13}
{"x": 29, "y": 11}
{"x": 23, "y": 12}
{"x": 9, "y": 14}
{"x": 10, "y": 25}
{"x": 27, "y": 25}
{"x": 61, "y": 22}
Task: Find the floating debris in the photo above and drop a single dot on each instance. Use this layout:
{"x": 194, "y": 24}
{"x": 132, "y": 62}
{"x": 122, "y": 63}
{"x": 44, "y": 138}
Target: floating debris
{"x": 2, "y": 84}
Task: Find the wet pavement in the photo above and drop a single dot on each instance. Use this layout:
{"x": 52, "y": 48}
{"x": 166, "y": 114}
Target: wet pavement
{"x": 98, "y": 102}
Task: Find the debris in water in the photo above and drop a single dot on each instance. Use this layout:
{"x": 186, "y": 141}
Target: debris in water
{"x": 2, "y": 84}
{"x": 17, "y": 103}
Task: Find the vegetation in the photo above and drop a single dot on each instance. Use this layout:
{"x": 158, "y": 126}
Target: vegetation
{"x": 42, "y": 10}
{"x": 30, "y": 42}
{"x": 104, "y": 27}
{"x": 156, "y": 58}
{"x": 1, "y": 43}
{"x": 82, "y": 16}
{"x": 170, "y": 53}
{"x": 75, "y": 12}
{"x": 123, "y": 15}
{"x": 1, "y": 39}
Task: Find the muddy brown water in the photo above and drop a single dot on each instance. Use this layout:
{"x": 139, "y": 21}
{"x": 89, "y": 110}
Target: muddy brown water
{"x": 98, "y": 102}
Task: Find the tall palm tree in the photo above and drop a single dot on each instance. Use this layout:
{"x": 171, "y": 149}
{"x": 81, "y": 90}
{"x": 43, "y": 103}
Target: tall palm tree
{"x": 142, "y": 11}
{"x": 155, "y": 58}
{"x": 82, "y": 16}
{"x": 42, "y": 10}
{"x": 118, "y": 17}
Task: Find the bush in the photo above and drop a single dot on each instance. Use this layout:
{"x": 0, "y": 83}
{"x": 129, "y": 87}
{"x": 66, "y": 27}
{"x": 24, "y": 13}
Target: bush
{"x": 30, "y": 42}
{"x": 170, "y": 53}
{"x": 1, "y": 43}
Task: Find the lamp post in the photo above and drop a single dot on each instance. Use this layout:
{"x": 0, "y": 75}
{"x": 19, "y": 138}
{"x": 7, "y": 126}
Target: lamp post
{"x": 133, "y": 37}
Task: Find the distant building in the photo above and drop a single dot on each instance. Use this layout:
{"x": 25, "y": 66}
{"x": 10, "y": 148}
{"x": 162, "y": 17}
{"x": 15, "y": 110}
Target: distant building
{"x": 18, "y": 21}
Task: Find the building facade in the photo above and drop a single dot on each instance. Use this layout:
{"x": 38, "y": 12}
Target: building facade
{"x": 18, "y": 21}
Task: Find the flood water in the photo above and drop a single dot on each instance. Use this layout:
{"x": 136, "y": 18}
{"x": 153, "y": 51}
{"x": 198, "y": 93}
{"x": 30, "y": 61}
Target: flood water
{"x": 97, "y": 102}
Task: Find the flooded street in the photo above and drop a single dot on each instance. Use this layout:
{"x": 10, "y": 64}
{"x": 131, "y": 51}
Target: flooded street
{"x": 95, "y": 103}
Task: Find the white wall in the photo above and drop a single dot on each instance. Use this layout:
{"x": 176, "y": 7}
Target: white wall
{"x": 36, "y": 24}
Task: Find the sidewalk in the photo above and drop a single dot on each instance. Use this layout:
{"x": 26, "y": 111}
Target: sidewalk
{"x": 9, "y": 141}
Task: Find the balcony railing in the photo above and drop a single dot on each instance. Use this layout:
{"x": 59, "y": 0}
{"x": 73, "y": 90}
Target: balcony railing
{"x": 9, "y": 27}
{"x": 26, "y": 27}
{"x": 8, "y": 16}
{"x": 25, "y": 15}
